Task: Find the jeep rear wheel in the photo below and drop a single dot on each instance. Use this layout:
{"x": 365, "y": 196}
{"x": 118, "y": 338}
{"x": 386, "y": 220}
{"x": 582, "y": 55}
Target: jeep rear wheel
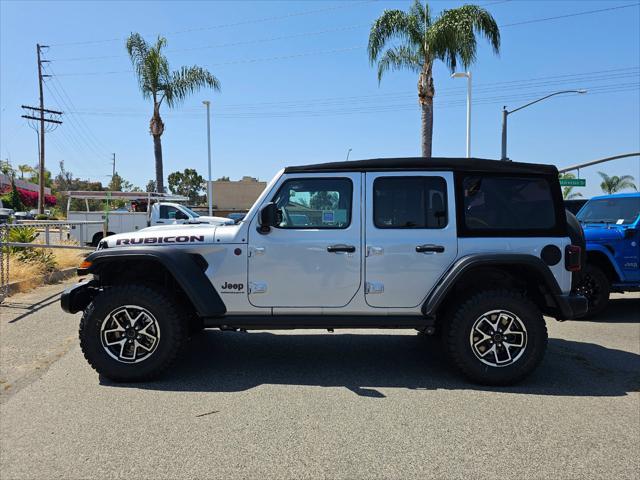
{"x": 594, "y": 284}
{"x": 132, "y": 332}
{"x": 496, "y": 337}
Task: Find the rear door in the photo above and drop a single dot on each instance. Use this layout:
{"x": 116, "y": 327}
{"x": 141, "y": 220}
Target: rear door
{"x": 410, "y": 235}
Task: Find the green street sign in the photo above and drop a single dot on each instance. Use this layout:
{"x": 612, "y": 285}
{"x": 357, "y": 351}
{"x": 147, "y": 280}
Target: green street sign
{"x": 573, "y": 182}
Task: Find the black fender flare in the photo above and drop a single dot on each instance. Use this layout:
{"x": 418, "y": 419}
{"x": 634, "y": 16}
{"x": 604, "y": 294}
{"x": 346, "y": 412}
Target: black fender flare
{"x": 466, "y": 263}
{"x": 185, "y": 268}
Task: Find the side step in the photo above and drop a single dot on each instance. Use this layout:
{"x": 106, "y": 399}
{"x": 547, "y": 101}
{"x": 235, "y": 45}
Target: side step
{"x": 268, "y": 322}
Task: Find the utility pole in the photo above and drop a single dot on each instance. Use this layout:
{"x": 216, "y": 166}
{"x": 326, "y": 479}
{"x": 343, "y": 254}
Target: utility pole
{"x": 41, "y": 165}
{"x": 113, "y": 170}
{"x": 45, "y": 122}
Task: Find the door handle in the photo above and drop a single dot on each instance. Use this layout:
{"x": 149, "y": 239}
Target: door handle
{"x": 430, "y": 248}
{"x": 341, "y": 247}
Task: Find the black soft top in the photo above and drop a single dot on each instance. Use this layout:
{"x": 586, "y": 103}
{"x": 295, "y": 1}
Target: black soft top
{"x": 476, "y": 165}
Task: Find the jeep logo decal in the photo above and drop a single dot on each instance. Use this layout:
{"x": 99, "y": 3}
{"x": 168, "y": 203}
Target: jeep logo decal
{"x": 152, "y": 240}
{"x": 232, "y": 287}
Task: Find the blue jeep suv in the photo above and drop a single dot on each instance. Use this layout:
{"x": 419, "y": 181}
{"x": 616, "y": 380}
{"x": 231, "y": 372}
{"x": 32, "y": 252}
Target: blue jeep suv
{"x": 611, "y": 225}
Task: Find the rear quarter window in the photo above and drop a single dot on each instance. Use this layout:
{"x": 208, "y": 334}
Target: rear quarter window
{"x": 508, "y": 205}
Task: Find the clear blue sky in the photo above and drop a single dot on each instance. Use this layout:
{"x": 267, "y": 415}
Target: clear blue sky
{"x": 297, "y": 86}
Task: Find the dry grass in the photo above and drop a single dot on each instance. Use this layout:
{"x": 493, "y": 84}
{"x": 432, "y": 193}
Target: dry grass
{"x": 66, "y": 258}
{"x": 19, "y": 271}
{"x": 32, "y": 274}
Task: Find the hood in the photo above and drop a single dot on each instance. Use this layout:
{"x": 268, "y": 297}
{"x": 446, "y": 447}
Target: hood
{"x": 170, "y": 235}
{"x": 215, "y": 220}
{"x": 602, "y": 233}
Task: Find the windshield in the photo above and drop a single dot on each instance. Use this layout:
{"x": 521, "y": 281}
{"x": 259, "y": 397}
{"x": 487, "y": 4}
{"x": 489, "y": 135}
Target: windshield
{"x": 611, "y": 210}
{"x": 191, "y": 212}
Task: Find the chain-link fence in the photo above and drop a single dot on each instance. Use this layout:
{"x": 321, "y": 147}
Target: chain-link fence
{"x": 50, "y": 234}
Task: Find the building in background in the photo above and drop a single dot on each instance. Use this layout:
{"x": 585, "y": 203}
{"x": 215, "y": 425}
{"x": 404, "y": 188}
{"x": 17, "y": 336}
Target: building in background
{"x": 237, "y": 195}
{"x": 5, "y": 182}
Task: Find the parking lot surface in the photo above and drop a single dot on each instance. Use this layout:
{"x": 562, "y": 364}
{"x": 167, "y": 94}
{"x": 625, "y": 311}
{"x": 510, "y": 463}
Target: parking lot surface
{"x": 309, "y": 404}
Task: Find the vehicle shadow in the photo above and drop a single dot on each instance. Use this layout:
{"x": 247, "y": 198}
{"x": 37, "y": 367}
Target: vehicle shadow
{"x": 232, "y": 362}
{"x": 619, "y": 310}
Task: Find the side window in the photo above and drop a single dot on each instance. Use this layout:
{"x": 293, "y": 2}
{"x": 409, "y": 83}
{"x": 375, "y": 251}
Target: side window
{"x": 508, "y": 203}
{"x": 410, "y": 202}
{"x": 168, "y": 212}
{"x": 315, "y": 203}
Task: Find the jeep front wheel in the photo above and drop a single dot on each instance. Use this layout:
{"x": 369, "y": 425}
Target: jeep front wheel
{"x": 496, "y": 337}
{"x": 132, "y": 333}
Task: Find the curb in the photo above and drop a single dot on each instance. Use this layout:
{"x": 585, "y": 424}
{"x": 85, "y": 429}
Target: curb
{"x": 53, "y": 277}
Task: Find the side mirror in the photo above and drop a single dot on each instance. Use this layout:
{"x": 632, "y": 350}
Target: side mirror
{"x": 180, "y": 215}
{"x": 268, "y": 217}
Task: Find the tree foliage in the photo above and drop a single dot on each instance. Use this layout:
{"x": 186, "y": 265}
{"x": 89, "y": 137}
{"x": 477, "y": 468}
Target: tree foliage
{"x": 119, "y": 184}
{"x": 450, "y": 37}
{"x": 160, "y": 84}
{"x": 188, "y": 183}
{"x": 614, "y": 184}
{"x": 65, "y": 181}
{"x": 25, "y": 169}
{"x": 413, "y": 40}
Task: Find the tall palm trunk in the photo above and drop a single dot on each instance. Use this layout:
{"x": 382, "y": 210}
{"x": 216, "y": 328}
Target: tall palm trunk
{"x": 425, "y": 97}
{"x": 157, "y": 151}
{"x": 156, "y": 128}
{"x": 427, "y": 127}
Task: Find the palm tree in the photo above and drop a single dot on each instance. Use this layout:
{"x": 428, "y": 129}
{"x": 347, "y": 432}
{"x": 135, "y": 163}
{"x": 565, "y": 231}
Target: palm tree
{"x": 451, "y": 37}
{"x": 160, "y": 84}
{"x": 615, "y": 183}
{"x": 25, "y": 169}
{"x": 567, "y": 192}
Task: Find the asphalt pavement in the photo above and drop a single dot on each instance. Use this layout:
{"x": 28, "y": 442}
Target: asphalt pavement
{"x": 310, "y": 404}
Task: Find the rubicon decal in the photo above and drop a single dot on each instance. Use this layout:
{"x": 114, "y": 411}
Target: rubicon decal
{"x": 152, "y": 240}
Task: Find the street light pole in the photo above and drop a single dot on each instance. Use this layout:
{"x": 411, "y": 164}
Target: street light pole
{"x": 468, "y": 76}
{"x": 207, "y": 103}
{"x": 505, "y": 113}
{"x": 348, "y": 152}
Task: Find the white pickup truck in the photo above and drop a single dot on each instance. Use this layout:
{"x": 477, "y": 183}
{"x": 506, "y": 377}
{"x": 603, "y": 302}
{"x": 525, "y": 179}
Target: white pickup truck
{"x": 143, "y": 210}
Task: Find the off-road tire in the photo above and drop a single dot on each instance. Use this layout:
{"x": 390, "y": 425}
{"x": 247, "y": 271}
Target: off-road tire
{"x": 594, "y": 284}
{"x": 171, "y": 320}
{"x": 458, "y": 329}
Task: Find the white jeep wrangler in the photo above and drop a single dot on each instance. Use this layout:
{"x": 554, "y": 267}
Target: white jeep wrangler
{"x": 474, "y": 250}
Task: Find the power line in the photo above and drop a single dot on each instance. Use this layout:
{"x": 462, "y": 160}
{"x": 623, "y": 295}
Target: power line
{"x": 343, "y": 110}
{"x": 581, "y": 78}
{"x": 92, "y": 137}
{"x": 557, "y": 17}
{"x": 231, "y": 44}
{"x": 79, "y": 126}
{"x": 81, "y": 136}
{"x": 304, "y": 54}
{"x": 234, "y": 24}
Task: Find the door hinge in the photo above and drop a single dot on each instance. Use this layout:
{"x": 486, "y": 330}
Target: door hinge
{"x": 373, "y": 287}
{"x": 257, "y": 287}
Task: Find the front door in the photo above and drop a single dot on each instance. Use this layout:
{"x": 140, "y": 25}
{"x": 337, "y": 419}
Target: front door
{"x": 312, "y": 258}
{"x": 410, "y": 235}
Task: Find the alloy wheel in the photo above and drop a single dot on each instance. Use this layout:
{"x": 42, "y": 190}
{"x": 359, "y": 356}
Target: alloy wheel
{"x": 130, "y": 334}
{"x": 498, "y": 338}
